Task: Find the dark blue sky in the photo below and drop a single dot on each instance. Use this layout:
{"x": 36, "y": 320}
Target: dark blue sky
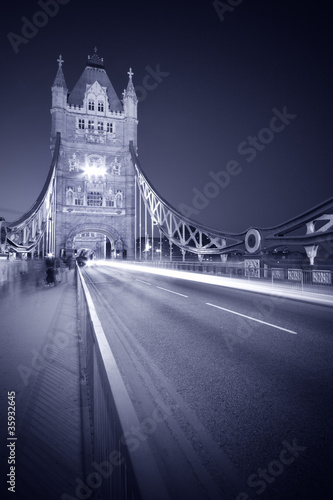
{"x": 220, "y": 81}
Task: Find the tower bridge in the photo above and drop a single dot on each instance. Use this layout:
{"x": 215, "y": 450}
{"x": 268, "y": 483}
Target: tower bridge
{"x": 97, "y": 184}
{"x": 141, "y": 382}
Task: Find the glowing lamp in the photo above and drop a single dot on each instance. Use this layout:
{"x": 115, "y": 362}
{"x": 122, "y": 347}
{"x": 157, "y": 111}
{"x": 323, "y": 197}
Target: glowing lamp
{"x": 94, "y": 171}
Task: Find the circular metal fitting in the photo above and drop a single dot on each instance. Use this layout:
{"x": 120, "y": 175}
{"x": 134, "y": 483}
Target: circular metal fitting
{"x": 252, "y": 241}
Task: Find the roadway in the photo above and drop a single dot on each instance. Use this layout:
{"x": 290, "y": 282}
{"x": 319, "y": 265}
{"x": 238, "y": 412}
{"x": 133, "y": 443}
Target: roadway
{"x": 240, "y": 377}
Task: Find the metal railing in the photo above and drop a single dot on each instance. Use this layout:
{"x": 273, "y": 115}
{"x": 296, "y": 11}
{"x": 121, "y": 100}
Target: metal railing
{"x": 118, "y": 473}
{"x": 314, "y": 280}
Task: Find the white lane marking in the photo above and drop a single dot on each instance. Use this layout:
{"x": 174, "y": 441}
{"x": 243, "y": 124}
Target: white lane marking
{"x": 181, "y": 294}
{"x": 253, "y": 319}
{"x": 145, "y": 282}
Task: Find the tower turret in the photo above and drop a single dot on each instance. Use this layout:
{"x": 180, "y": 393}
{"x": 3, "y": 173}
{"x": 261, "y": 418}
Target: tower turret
{"x": 130, "y": 102}
{"x": 59, "y": 101}
{"x": 95, "y": 171}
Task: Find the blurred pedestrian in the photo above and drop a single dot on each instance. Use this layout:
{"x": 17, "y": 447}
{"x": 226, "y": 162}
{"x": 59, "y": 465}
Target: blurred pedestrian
{"x": 50, "y": 275}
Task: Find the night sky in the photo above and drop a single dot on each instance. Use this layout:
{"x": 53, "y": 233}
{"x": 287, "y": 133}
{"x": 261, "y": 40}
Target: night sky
{"x": 220, "y": 77}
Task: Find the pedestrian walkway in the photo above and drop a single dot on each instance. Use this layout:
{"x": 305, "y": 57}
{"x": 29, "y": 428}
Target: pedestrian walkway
{"x": 40, "y": 362}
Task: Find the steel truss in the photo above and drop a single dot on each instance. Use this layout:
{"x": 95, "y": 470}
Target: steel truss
{"x": 35, "y": 230}
{"x": 186, "y": 234}
{"x": 193, "y": 237}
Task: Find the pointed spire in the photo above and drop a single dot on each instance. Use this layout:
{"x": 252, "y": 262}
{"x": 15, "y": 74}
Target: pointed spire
{"x": 130, "y": 91}
{"x": 130, "y": 73}
{"x": 95, "y": 61}
{"x": 60, "y": 79}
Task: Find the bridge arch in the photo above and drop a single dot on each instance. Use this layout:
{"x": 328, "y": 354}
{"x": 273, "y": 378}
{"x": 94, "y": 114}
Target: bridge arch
{"x": 94, "y": 227}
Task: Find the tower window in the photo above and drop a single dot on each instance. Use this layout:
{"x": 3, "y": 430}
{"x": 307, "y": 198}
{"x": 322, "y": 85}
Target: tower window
{"x": 100, "y": 126}
{"x": 69, "y": 195}
{"x": 119, "y": 198}
{"x": 94, "y": 198}
{"x": 91, "y": 105}
{"x": 109, "y": 127}
{"x": 91, "y": 124}
{"x": 100, "y": 106}
{"x": 81, "y": 123}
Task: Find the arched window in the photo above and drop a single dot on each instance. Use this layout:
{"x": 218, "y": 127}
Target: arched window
{"x": 69, "y": 195}
{"x": 119, "y": 198}
{"x": 100, "y": 106}
{"x": 91, "y": 105}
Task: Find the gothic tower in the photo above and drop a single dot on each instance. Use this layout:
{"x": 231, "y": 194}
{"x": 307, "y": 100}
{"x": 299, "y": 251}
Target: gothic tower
{"x": 95, "y": 173}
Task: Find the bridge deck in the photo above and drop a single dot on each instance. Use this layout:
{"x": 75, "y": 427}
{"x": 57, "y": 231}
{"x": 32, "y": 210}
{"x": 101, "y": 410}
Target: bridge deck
{"x": 40, "y": 362}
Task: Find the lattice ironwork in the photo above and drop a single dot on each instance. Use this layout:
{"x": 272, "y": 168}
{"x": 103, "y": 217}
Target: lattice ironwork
{"x": 193, "y": 237}
{"x": 35, "y": 230}
{"x": 181, "y": 231}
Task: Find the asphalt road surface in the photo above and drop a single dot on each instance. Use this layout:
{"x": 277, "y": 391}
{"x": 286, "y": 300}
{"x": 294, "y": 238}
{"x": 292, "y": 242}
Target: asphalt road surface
{"x": 244, "y": 381}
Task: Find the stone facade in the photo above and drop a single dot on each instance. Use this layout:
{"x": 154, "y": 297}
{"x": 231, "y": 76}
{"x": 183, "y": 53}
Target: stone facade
{"x": 95, "y": 174}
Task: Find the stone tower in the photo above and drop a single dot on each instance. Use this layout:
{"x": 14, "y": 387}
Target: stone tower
{"x": 95, "y": 173}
